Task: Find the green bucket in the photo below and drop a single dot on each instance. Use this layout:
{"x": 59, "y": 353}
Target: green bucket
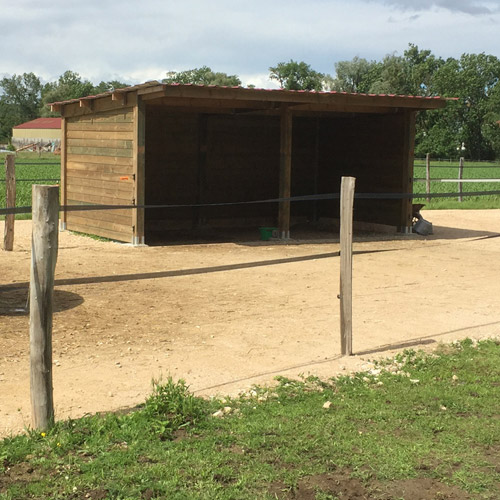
{"x": 266, "y": 232}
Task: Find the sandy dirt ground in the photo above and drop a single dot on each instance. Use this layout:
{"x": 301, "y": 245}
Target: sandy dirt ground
{"x": 225, "y": 316}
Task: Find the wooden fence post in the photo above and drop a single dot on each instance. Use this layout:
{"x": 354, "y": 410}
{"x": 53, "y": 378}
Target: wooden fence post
{"x": 427, "y": 176}
{"x": 10, "y": 201}
{"x": 44, "y": 244}
{"x": 346, "y": 215}
{"x": 460, "y": 177}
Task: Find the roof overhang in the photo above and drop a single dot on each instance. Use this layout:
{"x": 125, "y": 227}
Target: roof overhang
{"x": 240, "y": 99}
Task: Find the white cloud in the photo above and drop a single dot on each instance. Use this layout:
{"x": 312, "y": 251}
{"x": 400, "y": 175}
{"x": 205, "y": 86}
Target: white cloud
{"x": 474, "y": 7}
{"x": 138, "y": 41}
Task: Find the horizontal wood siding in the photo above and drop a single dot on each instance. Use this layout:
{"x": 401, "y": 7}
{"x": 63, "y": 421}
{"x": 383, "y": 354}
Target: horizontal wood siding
{"x": 99, "y": 168}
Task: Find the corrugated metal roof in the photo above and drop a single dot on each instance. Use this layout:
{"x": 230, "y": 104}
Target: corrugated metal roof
{"x": 41, "y": 123}
{"x": 132, "y": 88}
{"x": 281, "y": 92}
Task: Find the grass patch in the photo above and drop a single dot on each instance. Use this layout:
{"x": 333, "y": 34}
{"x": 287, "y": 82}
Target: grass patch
{"x": 413, "y": 422}
{"x": 30, "y": 166}
{"x": 47, "y": 166}
{"x": 446, "y": 170}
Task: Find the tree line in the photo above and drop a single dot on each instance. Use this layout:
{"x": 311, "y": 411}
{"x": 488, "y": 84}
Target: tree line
{"x": 466, "y": 127}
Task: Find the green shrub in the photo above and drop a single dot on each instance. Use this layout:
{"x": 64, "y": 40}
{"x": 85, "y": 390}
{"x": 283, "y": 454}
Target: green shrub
{"x": 171, "y": 407}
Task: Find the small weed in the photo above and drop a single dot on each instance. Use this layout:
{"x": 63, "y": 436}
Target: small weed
{"x": 171, "y": 407}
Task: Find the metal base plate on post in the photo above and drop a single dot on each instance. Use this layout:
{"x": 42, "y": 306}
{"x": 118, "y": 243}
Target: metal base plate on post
{"x": 138, "y": 241}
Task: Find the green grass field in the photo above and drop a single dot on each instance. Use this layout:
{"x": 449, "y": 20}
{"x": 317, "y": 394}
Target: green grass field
{"x": 31, "y": 166}
{"x": 415, "y": 424}
{"x": 472, "y": 170}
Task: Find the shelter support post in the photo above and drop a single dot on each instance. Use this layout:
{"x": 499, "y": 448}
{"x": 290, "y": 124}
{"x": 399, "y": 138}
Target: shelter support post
{"x": 285, "y": 172}
{"x": 407, "y": 172}
{"x": 44, "y": 245}
{"x": 139, "y": 155}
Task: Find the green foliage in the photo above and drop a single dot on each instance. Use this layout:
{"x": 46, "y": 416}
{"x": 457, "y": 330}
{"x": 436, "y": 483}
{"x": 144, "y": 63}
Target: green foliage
{"x": 19, "y": 102}
{"x": 30, "y": 166}
{"x": 109, "y": 86}
{"x": 447, "y": 170}
{"x": 69, "y": 86}
{"x": 470, "y": 120}
{"x": 171, "y": 407}
{"x": 202, "y": 76}
{"x": 353, "y": 76}
{"x": 473, "y": 79}
{"x": 393, "y": 77}
{"x": 24, "y": 98}
{"x": 295, "y": 75}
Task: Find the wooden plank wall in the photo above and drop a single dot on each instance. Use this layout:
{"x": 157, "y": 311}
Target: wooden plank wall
{"x": 99, "y": 159}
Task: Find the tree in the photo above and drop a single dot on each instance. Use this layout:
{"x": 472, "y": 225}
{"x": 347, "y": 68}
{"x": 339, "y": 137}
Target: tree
{"x": 474, "y": 80}
{"x": 296, "y": 76}
{"x": 491, "y": 128}
{"x": 354, "y": 76}
{"x": 422, "y": 65}
{"x": 109, "y": 86}
{"x": 393, "y": 77}
{"x": 20, "y": 101}
{"x": 69, "y": 86}
{"x": 202, "y": 76}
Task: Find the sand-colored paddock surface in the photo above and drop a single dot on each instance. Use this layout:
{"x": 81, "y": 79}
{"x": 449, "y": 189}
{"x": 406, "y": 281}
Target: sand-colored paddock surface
{"x": 225, "y": 316}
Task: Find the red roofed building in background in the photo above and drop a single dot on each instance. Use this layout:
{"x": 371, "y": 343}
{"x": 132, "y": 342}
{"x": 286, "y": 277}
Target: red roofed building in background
{"x": 44, "y": 132}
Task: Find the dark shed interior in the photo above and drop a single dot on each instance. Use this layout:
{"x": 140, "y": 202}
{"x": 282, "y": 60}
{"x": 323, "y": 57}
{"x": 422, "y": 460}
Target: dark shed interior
{"x": 194, "y": 158}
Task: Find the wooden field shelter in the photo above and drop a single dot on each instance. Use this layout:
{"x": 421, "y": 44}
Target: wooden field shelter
{"x": 159, "y": 144}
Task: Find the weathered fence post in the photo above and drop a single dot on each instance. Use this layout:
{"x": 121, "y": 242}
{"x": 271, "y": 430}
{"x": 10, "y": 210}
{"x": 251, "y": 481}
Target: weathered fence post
{"x": 460, "y": 176}
{"x": 427, "y": 176}
{"x": 10, "y": 201}
{"x": 44, "y": 245}
{"x": 346, "y": 215}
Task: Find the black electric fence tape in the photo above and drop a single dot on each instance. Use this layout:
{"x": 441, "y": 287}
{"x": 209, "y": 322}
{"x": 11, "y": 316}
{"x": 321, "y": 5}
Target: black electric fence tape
{"x": 312, "y": 197}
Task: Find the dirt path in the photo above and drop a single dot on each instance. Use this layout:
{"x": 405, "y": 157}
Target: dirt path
{"x": 227, "y": 316}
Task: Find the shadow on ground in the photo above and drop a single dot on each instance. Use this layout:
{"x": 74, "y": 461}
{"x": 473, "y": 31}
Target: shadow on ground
{"x": 300, "y": 234}
{"x": 14, "y": 301}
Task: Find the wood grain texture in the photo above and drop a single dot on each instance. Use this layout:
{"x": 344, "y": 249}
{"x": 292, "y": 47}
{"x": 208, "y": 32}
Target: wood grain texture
{"x": 346, "y": 219}
{"x": 45, "y": 203}
{"x": 100, "y": 169}
{"x": 139, "y": 156}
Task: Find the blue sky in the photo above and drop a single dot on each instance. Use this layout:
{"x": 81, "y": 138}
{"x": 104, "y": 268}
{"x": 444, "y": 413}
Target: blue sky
{"x": 135, "y": 41}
